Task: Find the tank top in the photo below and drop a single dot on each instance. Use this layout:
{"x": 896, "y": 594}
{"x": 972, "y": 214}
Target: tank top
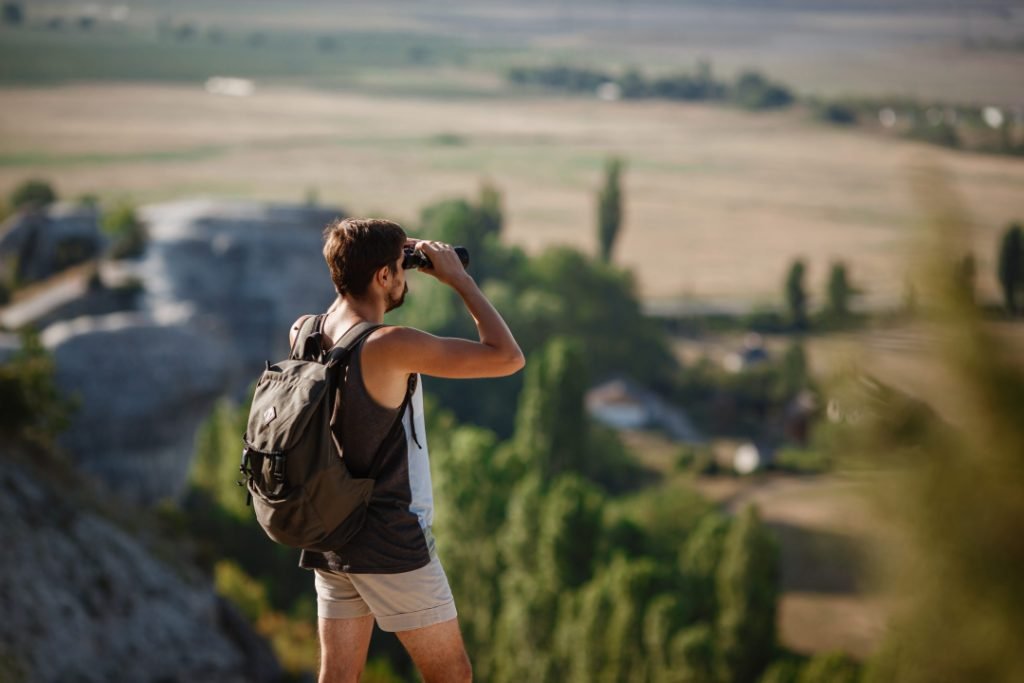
{"x": 396, "y": 537}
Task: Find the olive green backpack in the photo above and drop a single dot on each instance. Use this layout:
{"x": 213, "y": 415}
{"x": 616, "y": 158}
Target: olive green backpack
{"x": 292, "y": 464}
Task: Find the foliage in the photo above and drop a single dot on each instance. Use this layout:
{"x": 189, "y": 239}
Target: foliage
{"x": 839, "y": 292}
{"x": 753, "y": 90}
{"x": 32, "y": 193}
{"x": 796, "y": 295}
{"x": 609, "y": 208}
{"x": 951, "y": 491}
{"x": 747, "y": 590}
{"x": 1010, "y": 267}
{"x": 830, "y": 667}
{"x": 127, "y": 233}
{"x": 34, "y": 409}
{"x": 12, "y": 13}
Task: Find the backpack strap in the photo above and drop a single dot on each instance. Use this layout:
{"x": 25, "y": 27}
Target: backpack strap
{"x": 307, "y": 340}
{"x": 349, "y": 341}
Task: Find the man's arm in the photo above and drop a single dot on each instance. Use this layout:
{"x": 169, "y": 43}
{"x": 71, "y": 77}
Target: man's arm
{"x": 409, "y": 350}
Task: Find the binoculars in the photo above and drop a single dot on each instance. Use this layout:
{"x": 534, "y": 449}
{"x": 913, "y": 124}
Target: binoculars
{"x": 414, "y": 258}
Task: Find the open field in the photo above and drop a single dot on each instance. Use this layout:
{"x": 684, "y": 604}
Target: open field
{"x": 718, "y": 201}
{"x": 920, "y": 48}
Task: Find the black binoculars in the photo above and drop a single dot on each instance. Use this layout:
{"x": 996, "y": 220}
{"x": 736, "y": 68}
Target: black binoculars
{"x": 414, "y": 258}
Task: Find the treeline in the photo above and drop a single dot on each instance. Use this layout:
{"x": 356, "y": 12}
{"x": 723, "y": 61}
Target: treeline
{"x": 988, "y": 129}
{"x": 750, "y": 90}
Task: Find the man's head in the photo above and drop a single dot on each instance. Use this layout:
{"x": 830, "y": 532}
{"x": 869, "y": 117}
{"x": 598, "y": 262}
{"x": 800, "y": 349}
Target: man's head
{"x": 364, "y": 255}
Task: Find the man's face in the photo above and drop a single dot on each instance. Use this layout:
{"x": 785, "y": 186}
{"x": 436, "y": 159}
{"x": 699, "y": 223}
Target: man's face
{"x": 399, "y": 287}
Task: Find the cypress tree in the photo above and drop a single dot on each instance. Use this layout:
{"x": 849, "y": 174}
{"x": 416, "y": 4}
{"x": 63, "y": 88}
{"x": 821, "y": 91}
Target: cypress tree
{"x": 747, "y": 589}
{"x": 609, "y": 208}
{"x": 551, "y": 426}
{"x": 1011, "y": 266}
{"x": 839, "y": 292}
{"x": 796, "y": 294}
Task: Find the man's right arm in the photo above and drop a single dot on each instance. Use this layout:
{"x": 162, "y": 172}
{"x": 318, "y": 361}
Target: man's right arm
{"x": 408, "y": 350}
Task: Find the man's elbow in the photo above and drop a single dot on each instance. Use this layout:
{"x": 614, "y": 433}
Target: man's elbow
{"x": 515, "y": 362}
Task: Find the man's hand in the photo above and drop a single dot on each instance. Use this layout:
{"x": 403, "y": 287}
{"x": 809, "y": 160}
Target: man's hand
{"x": 445, "y": 263}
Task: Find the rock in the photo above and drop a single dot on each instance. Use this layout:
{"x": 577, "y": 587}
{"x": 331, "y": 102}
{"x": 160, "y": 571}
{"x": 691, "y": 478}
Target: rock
{"x": 241, "y": 271}
{"x": 85, "y": 600}
{"x": 142, "y": 391}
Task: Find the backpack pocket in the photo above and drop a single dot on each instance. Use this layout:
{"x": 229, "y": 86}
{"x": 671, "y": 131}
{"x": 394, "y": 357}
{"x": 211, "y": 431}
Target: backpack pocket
{"x": 290, "y": 520}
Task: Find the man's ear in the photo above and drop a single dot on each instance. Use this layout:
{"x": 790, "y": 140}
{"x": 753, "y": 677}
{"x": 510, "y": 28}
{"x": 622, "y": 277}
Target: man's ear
{"x": 383, "y": 276}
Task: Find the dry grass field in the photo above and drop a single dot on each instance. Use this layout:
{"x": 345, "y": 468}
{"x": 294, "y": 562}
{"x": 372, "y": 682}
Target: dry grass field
{"x": 718, "y": 201}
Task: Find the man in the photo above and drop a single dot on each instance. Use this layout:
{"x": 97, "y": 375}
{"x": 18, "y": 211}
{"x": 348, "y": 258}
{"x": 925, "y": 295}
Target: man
{"x": 390, "y": 570}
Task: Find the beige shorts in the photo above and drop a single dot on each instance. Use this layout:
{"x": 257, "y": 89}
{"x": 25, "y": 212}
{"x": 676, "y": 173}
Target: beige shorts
{"x": 399, "y": 602}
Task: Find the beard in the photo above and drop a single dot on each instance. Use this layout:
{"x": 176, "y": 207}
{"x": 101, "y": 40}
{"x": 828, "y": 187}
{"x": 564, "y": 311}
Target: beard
{"x": 395, "y": 302}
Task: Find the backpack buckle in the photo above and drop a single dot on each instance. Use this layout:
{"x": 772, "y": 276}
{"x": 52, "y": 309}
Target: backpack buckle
{"x": 277, "y": 468}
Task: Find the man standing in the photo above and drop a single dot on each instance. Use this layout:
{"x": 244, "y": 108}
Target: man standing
{"x": 390, "y": 570}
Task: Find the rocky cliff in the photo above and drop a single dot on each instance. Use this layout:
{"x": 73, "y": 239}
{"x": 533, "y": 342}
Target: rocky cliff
{"x": 222, "y": 281}
{"x": 85, "y": 599}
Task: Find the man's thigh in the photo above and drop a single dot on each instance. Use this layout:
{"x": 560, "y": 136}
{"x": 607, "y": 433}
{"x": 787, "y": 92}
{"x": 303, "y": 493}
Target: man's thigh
{"x": 343, "y": 647}
{"x": 438, "y": 652}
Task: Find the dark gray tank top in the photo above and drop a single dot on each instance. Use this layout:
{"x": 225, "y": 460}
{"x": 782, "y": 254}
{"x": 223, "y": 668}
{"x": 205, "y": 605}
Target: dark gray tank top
{"x": 376, "y": 441}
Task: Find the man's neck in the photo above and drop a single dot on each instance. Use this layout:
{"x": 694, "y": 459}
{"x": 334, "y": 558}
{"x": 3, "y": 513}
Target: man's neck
{"x": 357, "y": 310}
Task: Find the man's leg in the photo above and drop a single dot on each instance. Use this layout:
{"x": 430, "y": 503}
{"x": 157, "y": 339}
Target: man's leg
{"x": 343, "y": 647}
{"x": 438, "y": 652}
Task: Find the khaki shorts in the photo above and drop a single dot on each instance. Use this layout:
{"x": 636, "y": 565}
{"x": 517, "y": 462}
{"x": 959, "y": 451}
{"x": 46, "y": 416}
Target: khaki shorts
{"x": 399, "y": 602}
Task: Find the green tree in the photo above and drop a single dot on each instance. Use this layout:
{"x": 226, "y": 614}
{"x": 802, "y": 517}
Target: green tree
{"x": 747, "y": 591}
{"x": 839, "y": 292}
{"x": 796, "y": 294}
{"x": 32, "y": 193}
{"x": 692, "y": 655}
{"x": 127, "y": 233}
{"x": 699, "y": 560}
{"x": 830, "y": 667}
{"x": 34, "y": 409}
{"x": 609, "y": 208}
{"x": 1011, "y": 266}
{"x": 13, "y": 13}
{"x": 551, "y": 426}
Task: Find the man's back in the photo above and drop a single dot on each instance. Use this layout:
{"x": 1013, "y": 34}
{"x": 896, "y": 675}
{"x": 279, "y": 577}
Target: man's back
{"x": 388, "y": 445}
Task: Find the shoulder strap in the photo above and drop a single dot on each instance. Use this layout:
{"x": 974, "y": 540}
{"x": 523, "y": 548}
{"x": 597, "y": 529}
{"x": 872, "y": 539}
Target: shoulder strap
{"x": 349, "y": 341}
{"x": 309, "y": 330}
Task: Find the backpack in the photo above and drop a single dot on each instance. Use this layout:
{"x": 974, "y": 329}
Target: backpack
{"x": 292, "y": 463}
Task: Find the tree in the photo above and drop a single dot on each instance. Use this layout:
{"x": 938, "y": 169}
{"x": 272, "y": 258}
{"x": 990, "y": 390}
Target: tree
{"x": 13, "y": 13}
{"x": 34, "y": 409}
{"x": 839, "y": 292}
{"x": 796, "y": 294}
{"x": 747, "y": 590}
{"x": 32, "y": 194}
{"x": 609, "y": 208}
{"x": 551, "y": 426}
{"x": 1011, "y": 266}
{"x": 127, "y": 233}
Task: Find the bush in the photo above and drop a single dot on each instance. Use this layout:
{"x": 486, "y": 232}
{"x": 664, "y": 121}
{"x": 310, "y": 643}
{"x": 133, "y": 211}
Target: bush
{"x": 32, "y": 194}
{"x": 127, "y": 233}
{"x": 33, "y": 408}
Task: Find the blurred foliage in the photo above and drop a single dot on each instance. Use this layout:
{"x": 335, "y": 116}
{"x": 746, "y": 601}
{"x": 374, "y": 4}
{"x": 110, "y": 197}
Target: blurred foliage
{"x": 609, "y": 209}
{"x": 795, "y": 292}
{"x": 34, "y": 410}
{"x": 1010, "y": 267}
{"x": 32, "y": 193}
{"x": 951, "y": 490}
{"x": 126, "y": 232}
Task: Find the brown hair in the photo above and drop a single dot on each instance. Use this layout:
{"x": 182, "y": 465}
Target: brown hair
{"x": 356, "y": 248}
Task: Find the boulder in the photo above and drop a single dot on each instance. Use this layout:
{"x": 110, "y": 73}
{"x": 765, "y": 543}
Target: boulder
{"x": 142, "y": 390}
